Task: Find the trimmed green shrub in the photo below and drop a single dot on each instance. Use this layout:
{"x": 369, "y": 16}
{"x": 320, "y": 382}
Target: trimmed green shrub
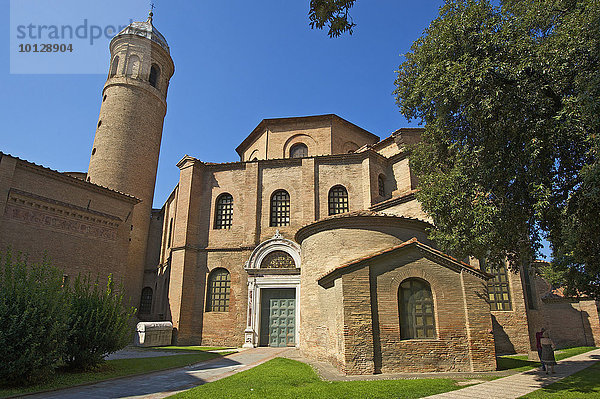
{"x": 99, "y": 323}
{"x": 33, "y": 319}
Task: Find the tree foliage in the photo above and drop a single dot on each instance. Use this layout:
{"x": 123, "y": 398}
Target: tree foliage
{"x": 33, "y": 319}
{"x": 44, "y": 324}
{"x": 333, "y": 14}
{"x": 98, "y": 323}
{"x": 509, "y": 96}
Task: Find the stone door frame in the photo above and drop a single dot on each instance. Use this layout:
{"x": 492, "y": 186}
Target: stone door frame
{"x": 255, "y": 286}
{"x": 269, "y": 279}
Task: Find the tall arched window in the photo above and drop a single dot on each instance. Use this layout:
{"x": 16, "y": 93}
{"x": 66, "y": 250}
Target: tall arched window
{"x": 114, "y": 67}
{"x": 338, "y": 200}
{"x": 381, "y": 185}
{"x": 170, "y": 237}
{"x": 299, "y": 150}
{"x": 280, "y": 208}
{"x": 154, "y": 75}
{"x": 219, "y": 285}
{"x": 415, "y": 308}
{"x": 224, "y": 211}
{"x": 498, "y": 289}
{"x": 146, "y": 301}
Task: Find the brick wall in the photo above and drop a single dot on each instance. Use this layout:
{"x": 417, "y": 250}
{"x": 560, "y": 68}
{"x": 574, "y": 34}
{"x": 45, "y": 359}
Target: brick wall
{"x": 463, "y": 341}
{"x": 82, "y": 227}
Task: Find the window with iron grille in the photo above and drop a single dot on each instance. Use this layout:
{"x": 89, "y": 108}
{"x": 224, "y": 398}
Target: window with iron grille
{"x": 219, "y": 285}
{"x": 338, "y": 200}
{"x": 278, "y": 260}
{"x": 381, "y": 185}
{"x": 299, "y": 150}
{"x": 415, "y": 306}
{"x": 224, "y": 211}
{"x": 146, "y": 301}
{"x": 498, "y": 289}
{"x": 280, "y": 208}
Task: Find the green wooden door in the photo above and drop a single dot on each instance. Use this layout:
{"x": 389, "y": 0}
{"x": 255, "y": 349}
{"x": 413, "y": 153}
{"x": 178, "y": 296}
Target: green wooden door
{"x": 278, "y": 317}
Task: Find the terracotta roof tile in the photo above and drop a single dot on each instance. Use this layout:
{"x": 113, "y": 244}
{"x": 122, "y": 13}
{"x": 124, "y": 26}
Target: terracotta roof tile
{"x": 412, "y": 241}
{"x": 66, "y": 176}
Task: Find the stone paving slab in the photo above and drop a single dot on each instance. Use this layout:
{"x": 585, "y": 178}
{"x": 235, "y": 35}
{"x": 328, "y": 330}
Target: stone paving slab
{"x": 133, "y": 352}
{"x": 165, "y": 383}
{"x": 517, "y": 385}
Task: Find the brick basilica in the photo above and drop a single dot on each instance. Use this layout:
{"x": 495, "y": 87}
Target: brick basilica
{"x": 313, "y": 239}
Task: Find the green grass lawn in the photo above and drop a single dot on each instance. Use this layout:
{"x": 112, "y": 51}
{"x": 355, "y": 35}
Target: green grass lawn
{"x": 111, "y": 369}
{"x": 520, "y": 363}
{"x": 284, "y": 378}
{"x": 584, "y": 384}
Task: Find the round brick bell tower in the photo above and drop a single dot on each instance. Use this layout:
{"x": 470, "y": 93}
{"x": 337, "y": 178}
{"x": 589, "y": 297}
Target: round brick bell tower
{"x": 127, "y": 141}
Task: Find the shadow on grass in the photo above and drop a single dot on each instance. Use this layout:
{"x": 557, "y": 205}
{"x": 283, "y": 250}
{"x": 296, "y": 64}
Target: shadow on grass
{"x": 583, "y": 384}
{"x": 511, "y": 363}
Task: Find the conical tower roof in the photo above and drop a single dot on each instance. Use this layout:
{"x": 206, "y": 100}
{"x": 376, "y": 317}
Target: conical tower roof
{"x": 146, "y": 29}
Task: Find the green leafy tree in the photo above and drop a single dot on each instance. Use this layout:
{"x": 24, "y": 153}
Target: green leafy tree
{"x": 99, "y": 323}
{"x": 33, "y": 319}
{"x": 333, "y": 14}
{"x": 509, "y": 96}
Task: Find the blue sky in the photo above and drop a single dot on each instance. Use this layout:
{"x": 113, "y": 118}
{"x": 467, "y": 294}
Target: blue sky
{"x": 236, "y": 63}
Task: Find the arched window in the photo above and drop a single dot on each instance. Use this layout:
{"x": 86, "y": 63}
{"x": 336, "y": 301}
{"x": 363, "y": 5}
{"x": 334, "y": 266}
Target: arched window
{"x": 278, "y": 260}
{"x": 133, "y": 66}
{"x": 280, "y": 208}
{"x": 114, "y": 67}
{"x": 415, "y": 307}
{"x": 338, "y": 200}
{"x": 224, "y": 211}
{"x": 299, "y": 150}
{"x": 219, "y": 285}
{"x": 169, "y": 238}
{"x": 381, "y": 185}
{"x": 146, "y": 301}
{"x": 154, "y": 75}
{"x": 498, "y": 290}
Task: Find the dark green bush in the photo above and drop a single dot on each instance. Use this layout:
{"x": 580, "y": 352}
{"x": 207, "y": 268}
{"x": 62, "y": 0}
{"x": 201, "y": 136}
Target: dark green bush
{"x": 33, "y": 319}
{"x": 99, "y": 323}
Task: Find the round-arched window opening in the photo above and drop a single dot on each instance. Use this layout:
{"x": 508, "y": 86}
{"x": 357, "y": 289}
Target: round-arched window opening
{"x": 299, "y": 150}
{"x": 113, "y": 67}
{"x": 278, "y": 260}
{"x": 104, "y": 98}
{"x": 93, "y": 151}
{"x": 381, "y": 185}
{"x": 99, "y": 123}
{"x": 154, "y": 75}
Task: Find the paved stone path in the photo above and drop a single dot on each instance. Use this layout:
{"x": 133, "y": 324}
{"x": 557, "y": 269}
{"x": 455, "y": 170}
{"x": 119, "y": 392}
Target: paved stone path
{"x": 523, "y": 383}
{"x": 164, "y": 383}
{"x": 133, "y": 352}
{"x": 161, "y": 384}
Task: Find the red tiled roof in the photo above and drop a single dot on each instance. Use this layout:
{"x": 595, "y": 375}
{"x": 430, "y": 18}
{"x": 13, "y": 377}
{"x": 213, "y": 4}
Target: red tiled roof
{"x": 412, "y": 242}
{"x": 66, "y": 177}
{"x": 366, "y": 213}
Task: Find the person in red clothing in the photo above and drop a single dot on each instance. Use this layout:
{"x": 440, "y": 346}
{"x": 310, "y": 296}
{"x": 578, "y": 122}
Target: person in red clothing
{"x": 538, "y": 339}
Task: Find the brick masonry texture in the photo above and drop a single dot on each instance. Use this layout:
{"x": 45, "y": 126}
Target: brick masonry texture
{"x": 102, "y": 222}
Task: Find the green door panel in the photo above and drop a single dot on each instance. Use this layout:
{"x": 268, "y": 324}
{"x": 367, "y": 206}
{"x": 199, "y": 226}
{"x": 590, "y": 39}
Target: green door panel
{"x": 278, "y": 317}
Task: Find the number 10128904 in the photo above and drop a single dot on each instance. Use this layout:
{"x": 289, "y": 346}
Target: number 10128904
{"x": 45, "y": 48}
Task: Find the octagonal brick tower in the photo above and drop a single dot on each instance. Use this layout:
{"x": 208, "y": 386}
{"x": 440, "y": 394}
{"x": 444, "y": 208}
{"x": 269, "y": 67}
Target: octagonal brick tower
{"x": 127, "y": 141}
